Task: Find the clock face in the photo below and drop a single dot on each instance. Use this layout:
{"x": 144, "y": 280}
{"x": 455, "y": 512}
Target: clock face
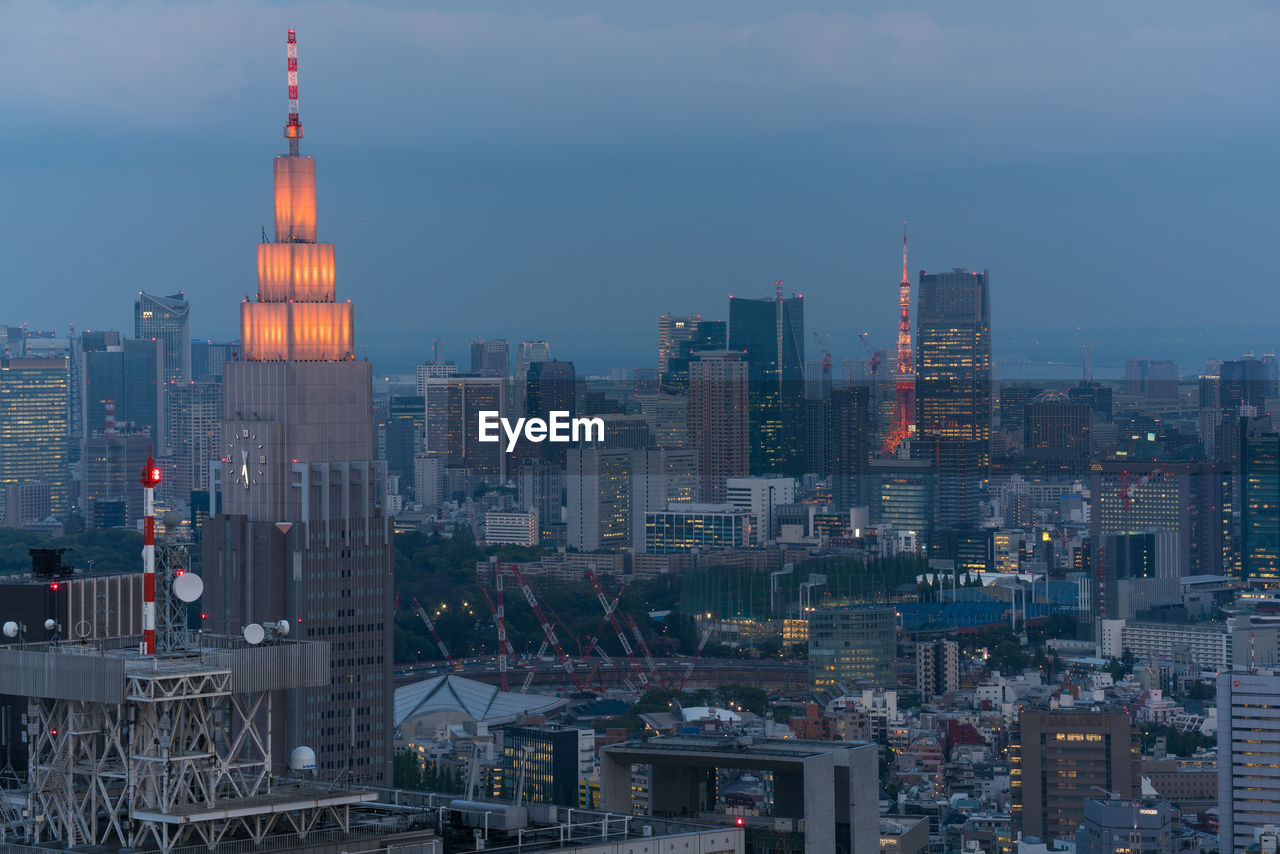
{"x": 246, "y": 458}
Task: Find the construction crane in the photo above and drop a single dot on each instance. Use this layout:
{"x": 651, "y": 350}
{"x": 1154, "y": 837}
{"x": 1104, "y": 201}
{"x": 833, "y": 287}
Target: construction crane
{"x": 435, "y": 635}
{"x": 505, "y": 652}
{"x": 826, "y": 359}
{"x": 702, "y": 643}
{"x": 548, "y": 630}
{"x": 1128, "y": 491}
{"x": 644, "y": 647}
{"x": 905, "y": 380}
{"x": 610, "y": 609}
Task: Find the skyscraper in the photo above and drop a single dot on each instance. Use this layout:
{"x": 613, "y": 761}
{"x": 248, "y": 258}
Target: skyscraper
{"x": 1260, "y": 502}
{"x": 718, "y": 420}
{"x": 168, "y": 320}
{"x": 953, "y": 390}
{"x": 673, "y": 331}
{"x": 194, "y": 436}
{"x": 33, "y": 426}
{"x": 1248, "y": 754}
{"x": 299, "y": 536}
{"x": 770, "y": 334}
{"x": 849, "y": 445}
{"x": 453, "y": 407}
{"x": 490, "y": 358}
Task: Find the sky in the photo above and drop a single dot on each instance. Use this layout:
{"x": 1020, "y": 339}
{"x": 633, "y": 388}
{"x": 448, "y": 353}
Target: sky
{"x": 572, "y": 170}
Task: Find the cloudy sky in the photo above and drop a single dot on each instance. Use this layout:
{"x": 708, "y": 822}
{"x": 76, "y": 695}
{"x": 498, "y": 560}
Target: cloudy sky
{"x": 572, "y": 170}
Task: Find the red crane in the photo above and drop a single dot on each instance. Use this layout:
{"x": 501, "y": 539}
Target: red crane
{"x": 547, "y": 630}
{"x": 826, "y": 359}
{"x": 905, "y": 384}
{"x": 505, "y": 652}
{"x": 435, "y": 635}
{"x": 706, "y": 635}
{"x": 610, "y": 609}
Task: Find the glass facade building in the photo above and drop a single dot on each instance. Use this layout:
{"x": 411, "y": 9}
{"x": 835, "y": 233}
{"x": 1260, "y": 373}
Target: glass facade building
{"x": 770, "y": 332}
{"x": 851, "y": 648}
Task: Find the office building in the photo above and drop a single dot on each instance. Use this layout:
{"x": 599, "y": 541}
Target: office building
{"x": 404, "y": 436}
{"x": 770, "y": 335}
{"x": 299, "y": 535}
{"x": 194, "y": 437}
{"x": 1260, "y": 502}
{"x": 34, "y": 426}
{"x": 848, "y": 445}
{"x": 429, "y": 480}
{"x": 207, "y": 358}
{"x": 674, "y": 332}
{"x": 111, "y": 493}
{"x": 688, "y": 528}
{"x": 168, "y": 320}
{"x": 1156, "y": 380}
{"x": 1139, "y": 572}
{"x": 1057, "y": 435}
{"x": 1060, "y": 760}
{"x": 902, "y": 494}
{"x": 25, "y": 503}
{"x": 1133, "y": 827}
{"x": 453, "y": 407}
{"x": 852, "y": 648}
{"x": 761, "y": 497}
{"x": 127, "y": 374}
{"x": 668, "y": 418}
{"x": 718, "y": 421}
{"x": 1248, "y": 755}
{"x": 711, "y": 336}
{"x": 540, "y": 488}
{"x": 550, "y": 758}
{"x": 1014, "y": 399}
{"x": 1205, "y": 646}
{"x": 490, "y": 358}
{"x": 953, "y": 360}
{"x": 953, "y": 391}
{"x": 661, "y": 478}
{"x": 820, "y": 800}
{"x": 937, "y": 668}
{"x": 598, "y": 492}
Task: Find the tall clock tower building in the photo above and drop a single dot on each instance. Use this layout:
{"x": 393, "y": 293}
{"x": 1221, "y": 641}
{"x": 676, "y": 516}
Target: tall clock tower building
{"x": 297, "y": 534}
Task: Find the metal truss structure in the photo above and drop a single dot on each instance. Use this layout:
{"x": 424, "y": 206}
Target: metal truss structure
{"x": 175, "y": 753}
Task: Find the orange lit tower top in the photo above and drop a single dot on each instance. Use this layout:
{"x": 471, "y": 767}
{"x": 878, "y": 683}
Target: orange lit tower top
{"x": 296, "y": 316}
{"x": 905, "y": 386}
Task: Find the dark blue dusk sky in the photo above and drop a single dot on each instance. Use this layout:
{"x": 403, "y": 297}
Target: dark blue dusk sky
{"x": 572, "y": 170}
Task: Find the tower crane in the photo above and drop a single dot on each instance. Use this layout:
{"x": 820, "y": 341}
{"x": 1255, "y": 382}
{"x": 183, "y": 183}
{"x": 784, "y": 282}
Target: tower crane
{"x": 435, "y": 635}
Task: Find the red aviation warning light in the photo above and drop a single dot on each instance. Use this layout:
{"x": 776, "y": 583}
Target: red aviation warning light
{"x": 150, "y": 474}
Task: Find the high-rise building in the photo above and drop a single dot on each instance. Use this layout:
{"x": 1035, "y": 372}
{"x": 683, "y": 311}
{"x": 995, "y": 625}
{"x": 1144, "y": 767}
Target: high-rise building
{"x": 761, "y": 497}
{"x": 540, "y": 488}
{"x": 711, "y": 336}
{"x": 953, "y": 358}
{"x": 405, "y": 435}
{"x": 207, "y": 358}
{"x": 1260, "y": 502}
{"x": 298, "y": 535}
{"x": 111, "y": 493}
{"x": 674, "y": 331}
{"x": 1153, "y": 379}
{"x": 194, "y": 436}
{"x": 34, "y": 426}
{"x": 902, "y": 494}
{"x": 937, "y": 667}
{"x": 127, "y": 373}
{"x": 718, "y": 423}
{"x": 953, "y": 390}
{"x": 527, "y": 354}
{"x": 668, "y": 417}
{"x": 852, "y": 648}
{"x": 770, "y": 335}
{"x": 598, "y": 506}
{"x": 1057, "y": 435}
{"x": 168, "y": 320}
{"x": 551, "y": 759}
{"x": 1139, "y": 572}
{"x": 1060, "y": 760}
{"x": 849, "y": 445}
{"x": 490, "y": 358}
{"x": 1248, "y": 754}
{"x": 550, "y": 386}
{"x": 453, "y": 407}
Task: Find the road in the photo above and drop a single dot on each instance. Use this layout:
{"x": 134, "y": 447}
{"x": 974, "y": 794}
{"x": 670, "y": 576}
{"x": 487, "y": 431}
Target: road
{"x": 787, "y": 676}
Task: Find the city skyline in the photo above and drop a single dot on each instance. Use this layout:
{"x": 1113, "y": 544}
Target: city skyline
{"x": 827, "y": 131}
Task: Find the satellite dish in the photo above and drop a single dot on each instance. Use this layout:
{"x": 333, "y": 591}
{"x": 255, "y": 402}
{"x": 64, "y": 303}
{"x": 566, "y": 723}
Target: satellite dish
{"x": 253, "y": 634}
{"x": 11, "y": 629}
{"x": 283, "y": 627}
{"x": 50, "y": 625}
{"x": 188, "y": 587}
{"x": 302, "y": 759}
{"x": 83, "y": 629}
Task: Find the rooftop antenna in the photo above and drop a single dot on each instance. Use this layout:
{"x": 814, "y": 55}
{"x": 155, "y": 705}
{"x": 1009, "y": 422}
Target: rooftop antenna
{"x": 293, "y": 129}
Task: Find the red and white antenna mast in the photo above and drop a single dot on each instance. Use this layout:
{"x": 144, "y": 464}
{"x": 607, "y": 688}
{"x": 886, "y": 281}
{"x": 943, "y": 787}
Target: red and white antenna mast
{"x": 293, "y": 129}
{"x": 905, "y": 387}
{"x": 150, "y": 478}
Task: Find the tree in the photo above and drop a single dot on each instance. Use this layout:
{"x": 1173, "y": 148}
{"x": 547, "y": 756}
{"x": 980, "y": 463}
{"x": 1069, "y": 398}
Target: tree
{"x": 1008, "y": 657}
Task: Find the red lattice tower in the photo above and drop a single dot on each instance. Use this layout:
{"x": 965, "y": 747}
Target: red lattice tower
{"x": 905, "y": 385}
{"x": 293, "y": 128}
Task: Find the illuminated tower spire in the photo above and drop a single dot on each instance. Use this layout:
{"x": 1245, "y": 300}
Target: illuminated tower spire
{"x": 293, "y": 128}
{"x": 904, "y": 397}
